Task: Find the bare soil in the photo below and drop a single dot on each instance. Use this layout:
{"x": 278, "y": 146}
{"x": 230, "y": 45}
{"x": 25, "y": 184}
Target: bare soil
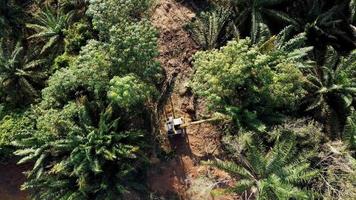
{"x": 11, "y": 178}
{"x": 201, "y": 142}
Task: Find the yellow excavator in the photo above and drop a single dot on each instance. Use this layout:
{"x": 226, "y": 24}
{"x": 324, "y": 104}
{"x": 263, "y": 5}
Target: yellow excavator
{"x": 176, "y": 125}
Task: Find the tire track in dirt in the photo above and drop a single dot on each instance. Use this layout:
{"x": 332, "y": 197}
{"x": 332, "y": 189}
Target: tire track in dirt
{"x": 200, "y": 142}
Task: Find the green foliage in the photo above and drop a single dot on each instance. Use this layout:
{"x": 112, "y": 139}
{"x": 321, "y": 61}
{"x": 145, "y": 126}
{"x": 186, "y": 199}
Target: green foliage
{"x": 77, "y": 6}
{"x": 276, "y": 173}
{"x": 56, "y": 123}
{"x": 97, "y": 160}
{"x": 50, "y": 28}
{"x": 336, "y": 77}
{"x": 130, "y": 49}
{"x": 107, "y": 13}
{"x": 257, "y": 11}
{"x": 63, "y": 61}
{"x": 332, "y": 87}
{"x": 82, "y": 147}
{"x": 212, "y": 29}
{"x": 20, "y": 78}
{"x": 133, "y": 47}
{"x": 87, "y": 136}
{"x": 76, "y": 36}
{"x": 350, "y": 130}
{"x": 307, "y": 133}
{"x": 13, "y": 126}
{"x": 128, "y": 91}
{"x": 353, "y": 10}
{"x": 324, "y": 23}
{"x": 250, "y": 82}
{"x": 89, "y": 75}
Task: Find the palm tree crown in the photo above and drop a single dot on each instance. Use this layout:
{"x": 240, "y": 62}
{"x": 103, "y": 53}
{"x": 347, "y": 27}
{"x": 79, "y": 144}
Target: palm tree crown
{"x": 95, "y": 160}
{"x": 256, "y": 10}
{"x": 19, "y": 77}
{"x": 50, "y": 27}
{"x": 333, "y": 87}
{"x": 274, "y": 174}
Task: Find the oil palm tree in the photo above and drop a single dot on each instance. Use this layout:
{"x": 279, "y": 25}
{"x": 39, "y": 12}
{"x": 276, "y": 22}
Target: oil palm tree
{"x": 273, "y": 174}
{"x": 332, "y": 88}
{"x": 50, "y": 28}
{"x": 324, "y": 23}
{"x": 20, "y": 77}
{"x": 95, "y": 160}
{"x": 254, "y": 12}
{"x": 212, "y": 29}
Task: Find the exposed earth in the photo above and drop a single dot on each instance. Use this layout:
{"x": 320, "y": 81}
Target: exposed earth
{"x": 183, "y": 175}
{"x": 11, "y": 180}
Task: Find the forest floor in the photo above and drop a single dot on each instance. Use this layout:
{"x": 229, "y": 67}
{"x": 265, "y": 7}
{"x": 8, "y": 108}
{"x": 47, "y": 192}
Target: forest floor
{"x": 183, "y": 175}
{"x": 11, "y": 180}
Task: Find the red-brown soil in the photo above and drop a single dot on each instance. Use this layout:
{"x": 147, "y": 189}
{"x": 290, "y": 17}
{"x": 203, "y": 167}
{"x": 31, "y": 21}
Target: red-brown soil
{"x": 201, "y": 142}
{"x": 11, "y": 178}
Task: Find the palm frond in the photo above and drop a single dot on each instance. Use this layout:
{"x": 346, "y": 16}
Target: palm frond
{"x": 212, "y": 29}
{"x": 50, "y": 27}
{"x": 350, "y": 130}
{"x": 275, "y": 174}
{"x": 50, "y": 43}
{"x": 230, "y": 167}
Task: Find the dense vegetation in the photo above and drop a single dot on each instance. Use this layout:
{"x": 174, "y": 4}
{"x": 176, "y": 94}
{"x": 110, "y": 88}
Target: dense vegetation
{"x": 78, "y": 79}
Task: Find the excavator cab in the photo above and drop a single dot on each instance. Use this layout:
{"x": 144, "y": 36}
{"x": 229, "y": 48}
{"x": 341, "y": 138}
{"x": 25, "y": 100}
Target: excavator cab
{"x": 173, "y": 124}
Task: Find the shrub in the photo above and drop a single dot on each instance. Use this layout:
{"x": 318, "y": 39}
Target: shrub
{"x": 106, "y": 13}
{"x": 55, "y": 123}
{"x": 50, "y": 27}
{"x": 76, "y": 37}
{"x": 308, "y": 133}
{"x": 128, "y": 91}
{"x": 350, "y": 130}
{"x": 250, "y": 82}
{"x": 63, "y": 61}
{"x": 89, "y": 74}
{"x": 133, "y": 47}
{"x": 14, "y": 126}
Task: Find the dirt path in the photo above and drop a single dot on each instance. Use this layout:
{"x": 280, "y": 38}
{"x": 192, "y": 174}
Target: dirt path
{"x": 11, "y": 178}
{"x": 180, "y": 175}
